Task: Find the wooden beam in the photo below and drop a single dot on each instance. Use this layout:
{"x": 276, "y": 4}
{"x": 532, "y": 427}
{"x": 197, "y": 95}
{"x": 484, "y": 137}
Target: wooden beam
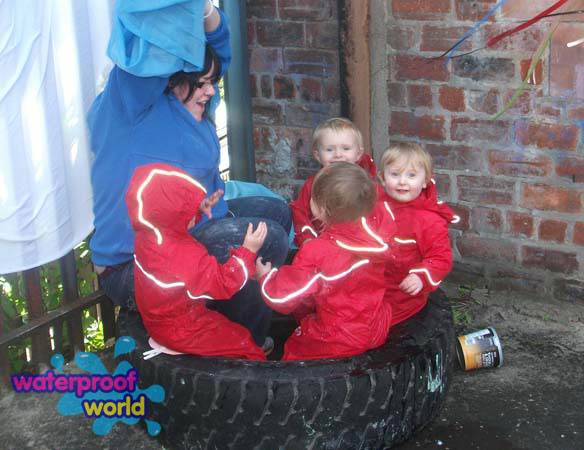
{"x": 61, "y": 312}
{"x": 355, "y": 65}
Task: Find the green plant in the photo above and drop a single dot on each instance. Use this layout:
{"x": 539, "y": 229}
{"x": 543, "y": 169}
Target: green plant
{"x": 15, "y": 310}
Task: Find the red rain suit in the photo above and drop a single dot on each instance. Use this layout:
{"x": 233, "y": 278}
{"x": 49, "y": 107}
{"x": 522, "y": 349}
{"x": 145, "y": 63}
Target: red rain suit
{"x": 174, "y": 274}
{"x": 305, "y": 225}
{"x": 345, "y": 287}
{"x": 423, "y": 248}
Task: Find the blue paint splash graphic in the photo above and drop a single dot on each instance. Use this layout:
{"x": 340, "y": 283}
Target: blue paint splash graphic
{"x": 70, "y": 404}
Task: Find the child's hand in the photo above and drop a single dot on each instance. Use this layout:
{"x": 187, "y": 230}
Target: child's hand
{"x": 210, "y": 202}
{"x": 412, "y": 284}
{"x": 254, "y": 240}
{"x": 261, "y": 268}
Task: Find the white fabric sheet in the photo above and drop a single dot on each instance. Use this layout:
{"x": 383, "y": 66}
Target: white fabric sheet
{"x": 52, "y": 63}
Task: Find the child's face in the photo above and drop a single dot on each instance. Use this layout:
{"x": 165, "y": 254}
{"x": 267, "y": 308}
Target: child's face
{"x": 404, "y": 183}
{"x": 338, "y": 146}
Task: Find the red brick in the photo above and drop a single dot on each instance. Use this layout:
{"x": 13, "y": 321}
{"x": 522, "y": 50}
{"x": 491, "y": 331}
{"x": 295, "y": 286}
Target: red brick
{"x": 469, "y": 130}
{"x": 473, "y": 246}
{"x": 303, "y": 9}
{"x": 547, "y": 135}
{"x": 537, "y": 75}
{"x": 396, "y": 94}
{"x": 485, "y": 190}
{"x": 442, "y": 185}
{"x": 520, "y": 224}
{"x": 548, "y": 110}
{"x": 266, "y": 112}
{"x": 487, "y": 220}
{"x": 264, "y": 9}
{"x": 519, "y": 163}
{"x": 526, "y": 41}
{"x": 552, "y": 230}
{"x": 576, "y": 114}
{"x": 251, "y": 34}
{"x": 550, "y": 260}
{"x": 253, "y": 85}
{"x": 522, "y": 104}
{"x": 475, "y": 10}
{"x": 332, "y": 90}
{"x": 456, "y": 157}
{"x": 420, "y": 68}
{"x": 477, "y": 68}
{"x": 420, "y": 9}
{"x": 572, "y": 168}
{"x": 311, "y": 89}
{"x": 484, "y": 101}
{"x": 512, "y": 280}
{"x": 464, "y": 213}
{"x": 452, "y": 99}
{"x": 320, "y": 63}
{"x": 277, "y": 34}
{"x": 284, "y": 87}
{"x": 323, "y": 35}
{"x": 265, "y": 60}
{"x": 423, "y": 127}
{"x": 550, "y": 198}
{"x": 402, "y": 38}
{"x": 308, "y": 114}
{"x": 419, "y": 95}
{"x": 579, "y": 233}
{"x": 266, "y": 86}
{"x": 440, "y": 39}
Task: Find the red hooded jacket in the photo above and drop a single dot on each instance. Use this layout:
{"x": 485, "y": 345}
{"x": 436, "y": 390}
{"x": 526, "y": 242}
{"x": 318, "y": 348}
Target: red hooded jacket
{"x": 305, "y": 225}
{"x": 174, "y": 275}
{"x": 340, "y": 273}
{"x": 423, "y": 248}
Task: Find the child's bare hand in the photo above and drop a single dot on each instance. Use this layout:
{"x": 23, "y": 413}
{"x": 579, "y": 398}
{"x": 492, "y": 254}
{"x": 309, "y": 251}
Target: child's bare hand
{"x": 412, "y": 284}
{"x": 210, "y": 202}
{"x": 254, "y": 240}
{"x": 261, "y": 268}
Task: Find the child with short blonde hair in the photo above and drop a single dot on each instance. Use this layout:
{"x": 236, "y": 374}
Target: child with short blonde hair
{"x": 334, "y": 140}
{"x": 339, "y": 274}
{"x": 424, "y": 255}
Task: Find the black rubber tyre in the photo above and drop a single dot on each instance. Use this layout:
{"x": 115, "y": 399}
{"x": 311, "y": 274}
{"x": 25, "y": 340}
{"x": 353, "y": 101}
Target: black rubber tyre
{"x": 372, "y": 401}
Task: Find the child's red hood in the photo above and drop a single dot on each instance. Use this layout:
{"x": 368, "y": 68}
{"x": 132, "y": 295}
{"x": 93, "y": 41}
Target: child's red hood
{"x": 427, "y": 200}
{"x": 164, "y": 198}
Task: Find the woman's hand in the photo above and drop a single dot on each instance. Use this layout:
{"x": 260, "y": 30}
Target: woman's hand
{"x": 261, "y": 268}
{"x": 412, "y": 284}
{"x": 254, "y": 240}
{"x": 208, "y": 204}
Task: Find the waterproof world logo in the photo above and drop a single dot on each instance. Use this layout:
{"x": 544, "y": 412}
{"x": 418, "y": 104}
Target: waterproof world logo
{"x": 102, "y": 396}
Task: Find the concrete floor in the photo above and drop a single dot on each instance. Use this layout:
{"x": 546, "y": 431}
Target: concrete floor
{"x": 534, "y": 401}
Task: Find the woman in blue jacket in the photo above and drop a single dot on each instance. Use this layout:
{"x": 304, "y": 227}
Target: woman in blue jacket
{"x": 155, "y": 107}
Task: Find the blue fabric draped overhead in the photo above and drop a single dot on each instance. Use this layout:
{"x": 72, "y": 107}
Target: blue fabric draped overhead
{"x": 158, "y": 45}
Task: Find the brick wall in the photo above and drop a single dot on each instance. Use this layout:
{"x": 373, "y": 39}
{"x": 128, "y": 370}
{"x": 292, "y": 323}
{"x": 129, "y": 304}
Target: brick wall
{"x": 517, "y": 182}
{"x": 294, "y": 81}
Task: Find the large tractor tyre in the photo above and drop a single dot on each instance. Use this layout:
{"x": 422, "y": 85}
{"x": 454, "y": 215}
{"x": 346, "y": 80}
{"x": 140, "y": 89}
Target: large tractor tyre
{"x": 371, "y": 401}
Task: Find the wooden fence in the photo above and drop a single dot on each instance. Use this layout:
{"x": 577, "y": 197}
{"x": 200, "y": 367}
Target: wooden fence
{"x": 40, "y": 321}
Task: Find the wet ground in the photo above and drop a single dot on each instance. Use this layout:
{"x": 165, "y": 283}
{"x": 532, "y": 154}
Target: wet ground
{"x": 534, "y": 401}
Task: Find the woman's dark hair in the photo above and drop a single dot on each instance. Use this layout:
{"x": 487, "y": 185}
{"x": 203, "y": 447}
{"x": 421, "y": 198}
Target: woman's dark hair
{"x": 192, "y": 78}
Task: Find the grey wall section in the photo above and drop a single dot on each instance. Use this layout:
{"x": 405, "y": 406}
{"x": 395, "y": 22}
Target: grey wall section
{"x": 237, "y": 96}
{"x": 379, "y": 76}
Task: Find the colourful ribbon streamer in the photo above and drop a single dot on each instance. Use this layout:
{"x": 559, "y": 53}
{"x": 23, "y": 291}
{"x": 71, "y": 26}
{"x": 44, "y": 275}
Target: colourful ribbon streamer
{"x": 534, "y": 62}
{"x": 523, "y": 26}
{"x": 472, "y": 30}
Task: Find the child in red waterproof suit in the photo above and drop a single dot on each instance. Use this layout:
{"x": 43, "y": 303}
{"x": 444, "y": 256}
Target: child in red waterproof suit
{"x": 174, "y": 275}
{"x": 423, "y": 256}
{"x": 340, "y": 272}
{"x": 337, "y": 139}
